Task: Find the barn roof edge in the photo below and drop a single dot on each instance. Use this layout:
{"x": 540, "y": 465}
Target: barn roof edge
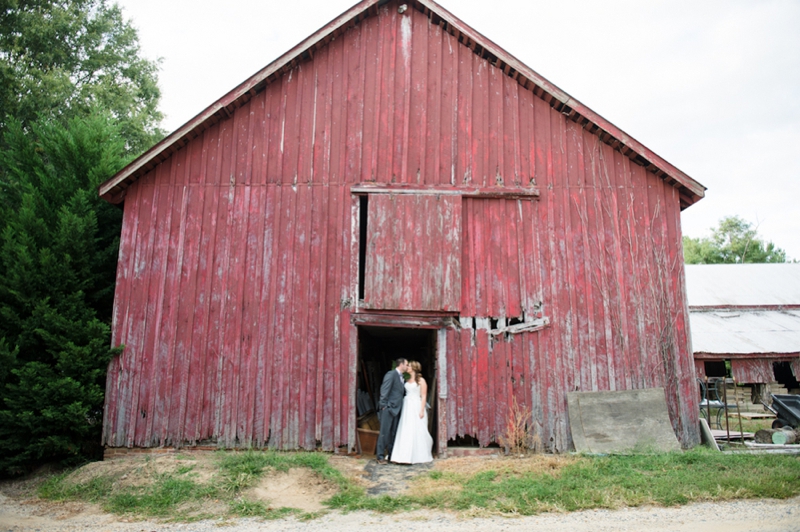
{"x": 691, "y": 191}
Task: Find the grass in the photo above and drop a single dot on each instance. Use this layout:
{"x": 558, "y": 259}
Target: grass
{"x": 526, "y": 486}
{"x": 599, "y": 482}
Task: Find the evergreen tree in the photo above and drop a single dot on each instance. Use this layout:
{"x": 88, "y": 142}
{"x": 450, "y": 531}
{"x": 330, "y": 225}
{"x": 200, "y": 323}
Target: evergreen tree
{"x": 58, "y": 250}
{"x": 733, "y": 241}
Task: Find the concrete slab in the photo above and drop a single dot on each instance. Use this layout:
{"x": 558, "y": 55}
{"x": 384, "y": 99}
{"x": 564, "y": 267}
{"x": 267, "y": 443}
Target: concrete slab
{"x": 608, "y": 422}
{"x": 707, "y": 435}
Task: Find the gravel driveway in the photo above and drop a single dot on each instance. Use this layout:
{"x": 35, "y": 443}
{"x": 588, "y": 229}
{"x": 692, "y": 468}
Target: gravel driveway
{"x": 738, "y": 516}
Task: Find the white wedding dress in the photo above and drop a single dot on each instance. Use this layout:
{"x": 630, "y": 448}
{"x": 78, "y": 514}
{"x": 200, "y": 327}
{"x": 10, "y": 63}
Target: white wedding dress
{"x": 413, "y": 443}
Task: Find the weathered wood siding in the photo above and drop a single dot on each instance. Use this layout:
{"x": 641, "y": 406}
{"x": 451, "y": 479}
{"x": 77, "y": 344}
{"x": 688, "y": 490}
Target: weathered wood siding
{"x": 239, "y": 254}
{"x": 413, "y": 254}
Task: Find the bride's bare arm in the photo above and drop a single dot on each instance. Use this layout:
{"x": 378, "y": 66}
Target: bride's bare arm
{"x": 423, "y": 392}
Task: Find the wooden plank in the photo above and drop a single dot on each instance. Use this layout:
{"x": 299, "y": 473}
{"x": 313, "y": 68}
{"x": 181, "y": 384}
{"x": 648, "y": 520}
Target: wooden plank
{"x": 387, "y": 104}
{"x": 212, "y": 389}
{"x": 331, "y": 314}
{"x": 351, "y": 333}
{"x": 480, "y": 124}
{"x": 354, "y": 70}
{"x": 434, "y": 114}
{"x": 122, "y": 306}
{"x": 142, "y": 205}
{"x": 248, "y": 256}
{"x": 418, "y": 97}
{"x": 485, "y": 387}
{"x": 511, "y": 133}
{"x": 140, "y": 338}
{"x": 323, "y": 257}
{"x": 465, "y": 121}
{"x": 300, "y": 314}
{"x": 265, "y": 373}
{"x": 312, "y": 347}
{"x": 448, "y": 106}
{"x": 275, "y": 116}
{"x": 403, "y": 116}
{"x": 306, "y": 116}
{"x": 513, "y": 232}
{"x": 290, "y": 127}
{"x": 470, "y": 421}
{"x": 199, "y": 374}
{"x": 251, "y": 300}
{"x": 165, "y": 335}
{"x": 495, "y": 129}
{"x": 468, "y": 267}
{"x": 372, "y": 48}
{"x": 593, "y": 266}
{"x": 447, "y": 190}
{"x": 191, "y": 234}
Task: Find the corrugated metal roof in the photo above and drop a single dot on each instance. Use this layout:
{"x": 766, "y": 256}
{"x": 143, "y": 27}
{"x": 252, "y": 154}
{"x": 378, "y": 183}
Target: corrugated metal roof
{"x": 731, "y": 285}
{"x": 745, "y": 332}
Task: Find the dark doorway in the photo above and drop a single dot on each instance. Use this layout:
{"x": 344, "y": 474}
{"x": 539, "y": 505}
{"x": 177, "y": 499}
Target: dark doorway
{"x": 378, "y": 347}
{"x": 785, "y": 376}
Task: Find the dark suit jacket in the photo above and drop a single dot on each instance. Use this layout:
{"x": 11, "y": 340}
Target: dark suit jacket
{"x": 392, "y": 391}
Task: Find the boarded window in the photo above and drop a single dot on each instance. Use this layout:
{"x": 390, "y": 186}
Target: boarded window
{"x": 413, "y": 252}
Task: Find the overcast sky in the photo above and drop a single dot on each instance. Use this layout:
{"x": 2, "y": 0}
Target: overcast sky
{"x": 712, "y": 86}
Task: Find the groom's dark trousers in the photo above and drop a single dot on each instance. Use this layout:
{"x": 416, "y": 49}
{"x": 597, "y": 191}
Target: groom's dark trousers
{"x": 389, "y": 406}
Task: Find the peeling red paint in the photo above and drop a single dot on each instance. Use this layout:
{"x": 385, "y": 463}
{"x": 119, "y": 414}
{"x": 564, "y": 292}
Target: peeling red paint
{"x": 239, "y": 259}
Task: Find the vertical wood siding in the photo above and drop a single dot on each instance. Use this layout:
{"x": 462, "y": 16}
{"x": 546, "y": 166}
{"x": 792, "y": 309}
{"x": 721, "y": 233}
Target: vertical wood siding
{"x": 413, "y": 254}
{"x": 753, "y": 370}
{"x": 239, "y": 254}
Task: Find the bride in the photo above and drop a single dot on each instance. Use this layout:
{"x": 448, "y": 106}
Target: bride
{"x": 413, "y": 442}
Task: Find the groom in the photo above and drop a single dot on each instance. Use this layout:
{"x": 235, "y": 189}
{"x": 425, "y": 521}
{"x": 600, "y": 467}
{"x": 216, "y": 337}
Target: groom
{"x": 389, "y": 406}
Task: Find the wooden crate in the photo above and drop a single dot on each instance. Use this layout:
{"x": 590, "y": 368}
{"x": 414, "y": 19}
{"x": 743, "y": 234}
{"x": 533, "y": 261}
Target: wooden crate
{"x": 368, "y": 439}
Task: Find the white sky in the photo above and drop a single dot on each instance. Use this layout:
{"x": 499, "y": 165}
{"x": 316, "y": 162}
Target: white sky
{"x": 712, "y": 86}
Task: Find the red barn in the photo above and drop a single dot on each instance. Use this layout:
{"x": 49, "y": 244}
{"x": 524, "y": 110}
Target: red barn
{"x": 396, "y": 184}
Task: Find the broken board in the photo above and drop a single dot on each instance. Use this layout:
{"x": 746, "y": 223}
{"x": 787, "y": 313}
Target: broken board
{"x": 607, "y": 422}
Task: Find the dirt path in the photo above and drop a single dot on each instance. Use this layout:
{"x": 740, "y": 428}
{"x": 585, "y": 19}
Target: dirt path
{"x": 20, "y": 510}
{"x": 739, "y": 516}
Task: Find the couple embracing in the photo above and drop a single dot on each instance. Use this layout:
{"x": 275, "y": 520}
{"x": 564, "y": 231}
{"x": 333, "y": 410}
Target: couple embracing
{"x": 404, "y": 436}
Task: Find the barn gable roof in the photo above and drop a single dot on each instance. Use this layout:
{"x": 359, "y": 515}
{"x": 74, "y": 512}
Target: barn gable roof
{"x": 690, "y": 190}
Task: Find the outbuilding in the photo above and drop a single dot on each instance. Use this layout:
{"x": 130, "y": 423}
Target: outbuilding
{"x": 396, "y": 184}
{"x": 745, "y": 322}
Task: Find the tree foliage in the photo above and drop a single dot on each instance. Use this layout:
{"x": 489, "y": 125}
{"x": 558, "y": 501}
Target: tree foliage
{"x": 67, "y": 58}
{"x": 77, "y": 99}
{"x": 734, "y": 241}
{"x": 58, "y": 247}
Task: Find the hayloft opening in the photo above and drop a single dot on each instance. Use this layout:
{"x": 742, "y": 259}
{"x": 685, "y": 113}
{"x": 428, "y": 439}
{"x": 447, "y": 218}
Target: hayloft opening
{"x": 378, "y": 347}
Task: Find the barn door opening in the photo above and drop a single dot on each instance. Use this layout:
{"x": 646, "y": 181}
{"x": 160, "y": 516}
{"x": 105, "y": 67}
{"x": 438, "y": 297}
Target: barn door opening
{"x": 378, "y": 347}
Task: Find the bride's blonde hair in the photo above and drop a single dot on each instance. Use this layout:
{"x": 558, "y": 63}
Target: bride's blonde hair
{"x": 417, "y": 367}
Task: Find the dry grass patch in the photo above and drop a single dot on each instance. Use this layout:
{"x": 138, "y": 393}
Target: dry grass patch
{"x": 450, "y": 475}
{"x": 138, "y": 471}
{"x": 537, "y": 464}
